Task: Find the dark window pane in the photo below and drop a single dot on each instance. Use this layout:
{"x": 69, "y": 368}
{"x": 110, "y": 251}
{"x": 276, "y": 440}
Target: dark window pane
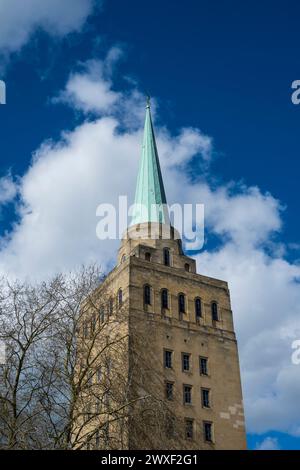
{"x": 187, "y": 267}
{"x": 214, "y": 311}
{"x": 148, "y": 256}
{"x": 208, "y": 432}
{"x": 189, "y": 425}
{"x": 187, "y": 394}
{"x": 166, "y": 257}
{"x": 198, "y": 308}
{"x": 169, "y": 391}
{"x": 203, "y": 366}
{"x": 168, "y": 359}
{"x": 147, "y": 295}
{"x": 120, "y": 297}
{"x": 181, "y": 303}
{"x": 185, "y": 362}
{"x": 170, "y": 427}
{"x": 164, "y": 299}
{"x": 205, "y": 398}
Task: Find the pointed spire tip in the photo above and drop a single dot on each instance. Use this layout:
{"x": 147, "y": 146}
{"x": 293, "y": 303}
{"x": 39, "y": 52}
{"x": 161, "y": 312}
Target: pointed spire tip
{"x": 148, "y": 101}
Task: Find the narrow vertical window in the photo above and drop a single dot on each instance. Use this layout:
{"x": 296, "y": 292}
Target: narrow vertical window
{"x": 166, "y": 257}
{"x": 198, "y": 309}
{"x": 168, "y": 359}
{"x": 187, "y": 394}
{"x": 187, "y": 267}
{"x": 207, "y": 428}
{"x": 170, "y": 427}
{"x": 148, "y": 256}
{"x": 203, "y": 366}
{"x": 205, "y": 398}
{"x": 164, "y": 299}
{"x": 189, "y": 428}
{"x": 185, "y": 358}
{"x": 120, "y": 297}
{"x": 214, "y": 311}
{"x": 169, "y": 390}
{"x": 147, "y": 295}
{"x": 181, "y": 303}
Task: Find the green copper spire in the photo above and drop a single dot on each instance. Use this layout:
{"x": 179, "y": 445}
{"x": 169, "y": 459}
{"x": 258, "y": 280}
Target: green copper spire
{"x": 150, "y": 198}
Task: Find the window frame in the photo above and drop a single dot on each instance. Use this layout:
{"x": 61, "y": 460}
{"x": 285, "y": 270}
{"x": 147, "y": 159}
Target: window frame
{"x": 167, "y": 256}
{"x": 189, "y": 422}
{"x": 164, "y": 306}
{"x": 147, "y": 295}
{"x": 120, "y": 297}
{"x": 203, "y": 358}
{"x": 187, "y": 393}
{"x": 198, "y": 309}
{"x": 169, "y": 396}
{"x": 214, "y": 308}
{"x": 211, "y": 432}
{"x": 205, "y": 398}
{"x": 183, "y": 356}
{"x": 181, "y": 310}
{"x": 165, "y": 358}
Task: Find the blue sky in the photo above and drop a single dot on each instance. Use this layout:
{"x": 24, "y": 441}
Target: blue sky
{"x": 219, "y": 69}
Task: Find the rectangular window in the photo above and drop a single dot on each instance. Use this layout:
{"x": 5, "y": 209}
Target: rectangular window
{"x": 166, "y": 257}
{"x": 168, "y": 359}
{"x": 207, "y": 427}
{"x": 203, "y": 365}
{"x": 185, "y": 358}
{"x": 187, "y": 394}
{"x": 169, "y": 390}
{"x": 205, "y": 398}
{"x": 189, "y": 429}
{"x": 170, "y": 427}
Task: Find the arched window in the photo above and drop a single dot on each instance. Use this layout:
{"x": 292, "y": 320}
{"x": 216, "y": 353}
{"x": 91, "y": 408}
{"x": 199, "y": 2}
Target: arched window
{"x": 181, "y": 303}
{"x": 147, "y": 295}
{"x": 123, "y": 258}
{"x": 166, "y": 257}
{"x": 164, "y": 299}
{"x": 148, "y": 256}
{"x": 214, "y": 311}
{"x": 187, "y": 267}
{"x": 120, "y": 297}
{"x": 198, "y": 308}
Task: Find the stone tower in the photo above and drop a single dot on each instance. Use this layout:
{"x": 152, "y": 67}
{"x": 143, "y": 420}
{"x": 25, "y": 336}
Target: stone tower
{"x": 181, "y": 357}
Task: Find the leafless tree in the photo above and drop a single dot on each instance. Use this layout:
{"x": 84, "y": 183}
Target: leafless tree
{"x": 78, "y": 373}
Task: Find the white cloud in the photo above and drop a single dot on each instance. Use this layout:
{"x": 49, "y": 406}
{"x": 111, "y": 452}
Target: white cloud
{"x": 8, "y": 189}
{"x": 269, "y": 443}
{"x": 19, "y": 19}
{"x": 97, "y": 162}
{"x": 91, "y": 90}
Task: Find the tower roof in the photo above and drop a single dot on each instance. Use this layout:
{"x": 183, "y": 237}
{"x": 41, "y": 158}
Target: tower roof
{"x": 150, "y": 197}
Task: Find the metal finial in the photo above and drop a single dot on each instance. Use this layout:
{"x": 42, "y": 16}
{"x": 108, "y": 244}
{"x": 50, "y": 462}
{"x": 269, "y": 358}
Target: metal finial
{"x": 148, "y": 99}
